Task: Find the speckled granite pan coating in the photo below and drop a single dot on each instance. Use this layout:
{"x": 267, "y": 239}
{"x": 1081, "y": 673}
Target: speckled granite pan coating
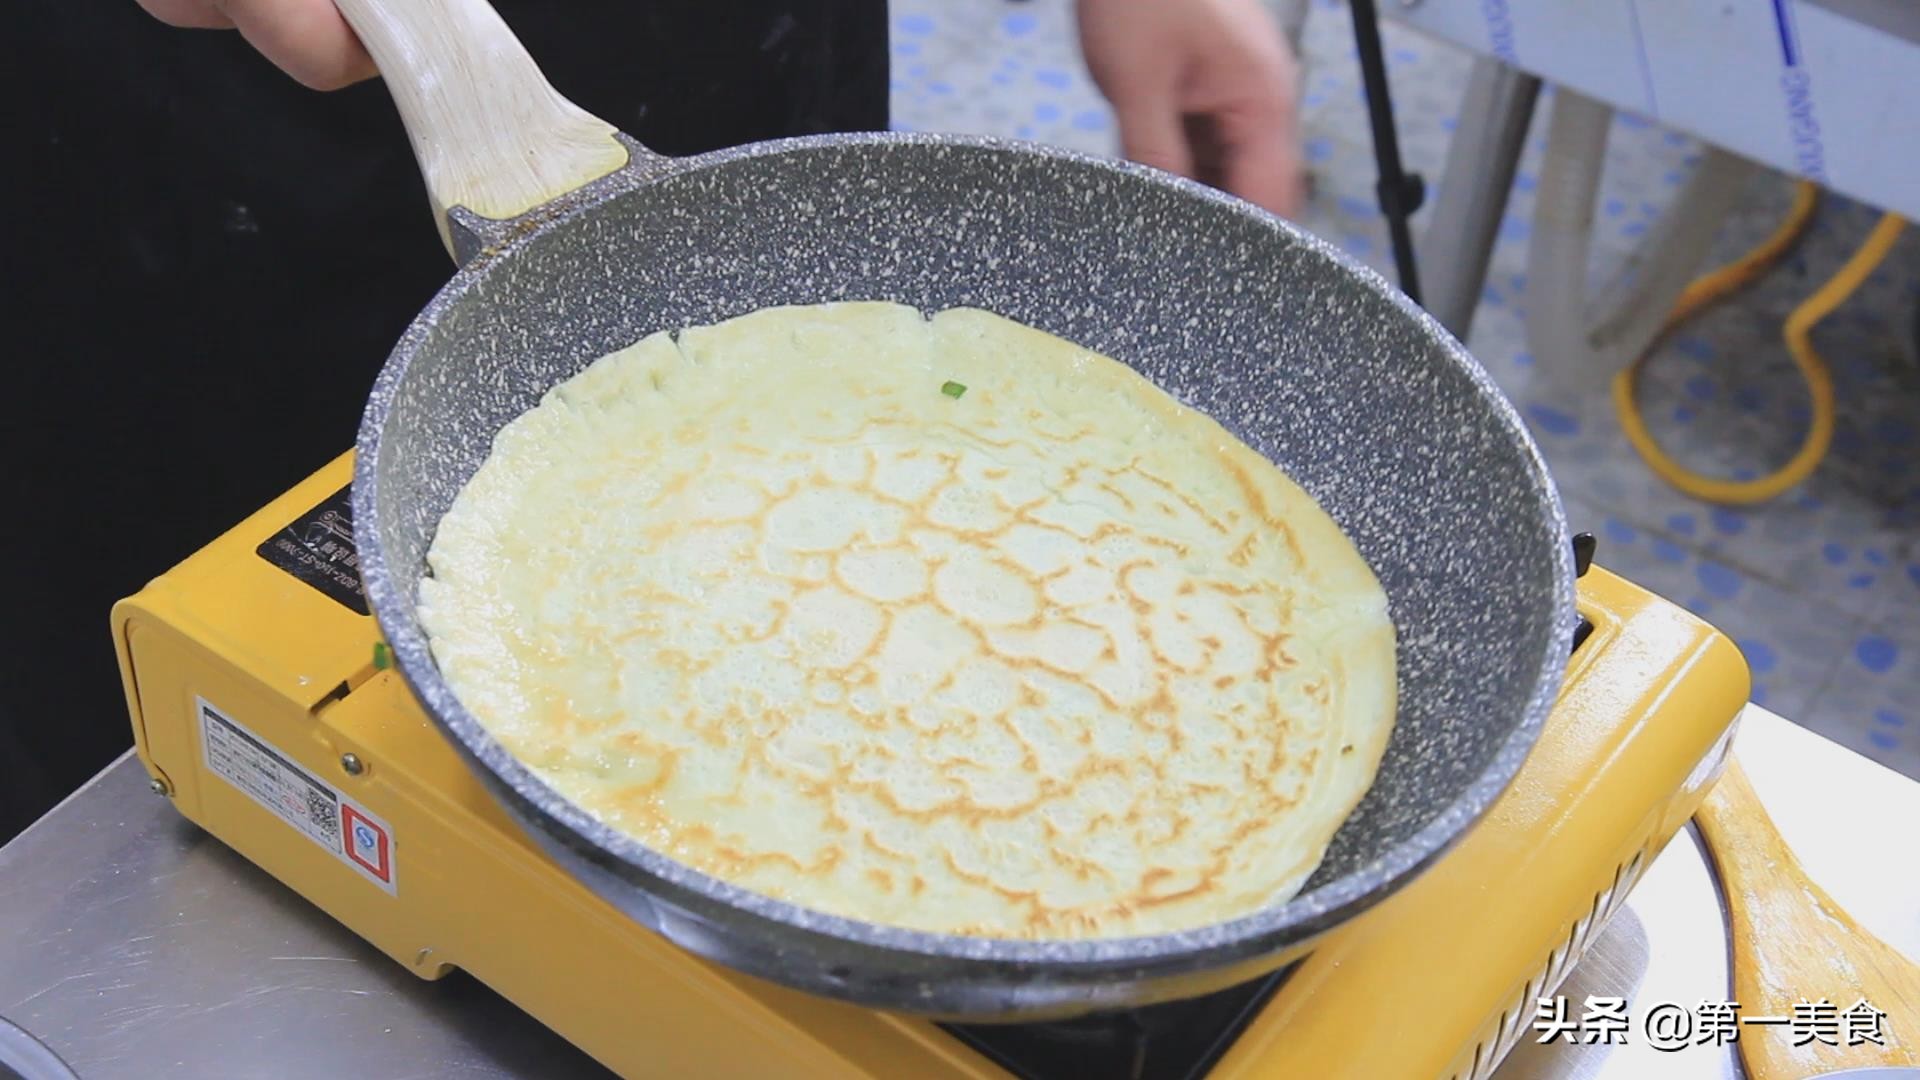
{"x": 1309, "y": 358}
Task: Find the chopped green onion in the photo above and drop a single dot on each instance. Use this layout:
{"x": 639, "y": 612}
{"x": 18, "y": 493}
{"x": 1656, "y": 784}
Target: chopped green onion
{"x": 381, "y": 659}
{"x": 954, "y": 389}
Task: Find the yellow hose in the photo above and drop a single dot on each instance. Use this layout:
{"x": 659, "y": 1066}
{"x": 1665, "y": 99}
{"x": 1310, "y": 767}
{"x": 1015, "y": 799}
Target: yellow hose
{"x": 1717, "y": 285}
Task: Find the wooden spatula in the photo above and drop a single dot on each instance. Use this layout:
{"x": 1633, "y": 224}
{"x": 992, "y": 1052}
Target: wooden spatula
{"x": 1793, "y": 944}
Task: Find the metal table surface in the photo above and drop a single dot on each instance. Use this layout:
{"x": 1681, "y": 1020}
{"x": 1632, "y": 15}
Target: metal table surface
{"x": 137, "y": 946}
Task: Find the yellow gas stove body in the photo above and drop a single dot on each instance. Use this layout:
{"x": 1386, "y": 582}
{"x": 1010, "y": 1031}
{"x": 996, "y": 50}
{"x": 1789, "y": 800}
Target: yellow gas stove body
{"x": 261, "y": 705}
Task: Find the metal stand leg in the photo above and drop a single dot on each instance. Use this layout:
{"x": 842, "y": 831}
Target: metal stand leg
{"x": 1494, "y": 114}
{"x": 1399, "y": 191}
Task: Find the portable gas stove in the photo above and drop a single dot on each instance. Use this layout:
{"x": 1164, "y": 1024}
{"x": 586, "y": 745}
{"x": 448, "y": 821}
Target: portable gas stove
{"x": 262, "y": 704}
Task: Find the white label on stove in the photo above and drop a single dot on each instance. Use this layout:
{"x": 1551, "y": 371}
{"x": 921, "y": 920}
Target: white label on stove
{"x": 316, "y": 809}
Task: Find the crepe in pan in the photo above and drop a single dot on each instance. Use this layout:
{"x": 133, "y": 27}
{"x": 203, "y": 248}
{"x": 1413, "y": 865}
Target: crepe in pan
{"x": 939, "y": 623}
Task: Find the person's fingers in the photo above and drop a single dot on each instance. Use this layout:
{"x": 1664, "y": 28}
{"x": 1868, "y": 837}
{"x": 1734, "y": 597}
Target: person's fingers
{"x": 190, "y": 14}
{"x": 1244, "y": 88}
{"x": 1128, "y": 53}
{"x": 307, "y": 39}
{"x": 1260, "y": 154}
{"x": 1152, "y": 131}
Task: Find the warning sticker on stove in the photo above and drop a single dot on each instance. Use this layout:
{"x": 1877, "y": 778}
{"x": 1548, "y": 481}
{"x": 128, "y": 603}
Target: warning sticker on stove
{"x": 318, "y": 549}
{"x": 315, "y": 808}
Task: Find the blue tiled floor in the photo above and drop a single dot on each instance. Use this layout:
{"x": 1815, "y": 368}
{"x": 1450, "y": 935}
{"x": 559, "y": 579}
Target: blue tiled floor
{"x": 1821, "y": 588}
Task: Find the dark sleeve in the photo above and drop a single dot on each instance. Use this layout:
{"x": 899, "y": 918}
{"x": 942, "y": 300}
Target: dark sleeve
{"x": 206, "y": 265}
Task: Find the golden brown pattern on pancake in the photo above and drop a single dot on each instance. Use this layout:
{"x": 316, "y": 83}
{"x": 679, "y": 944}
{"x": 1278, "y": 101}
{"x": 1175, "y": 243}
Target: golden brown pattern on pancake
{"x": 1041, "y": 655}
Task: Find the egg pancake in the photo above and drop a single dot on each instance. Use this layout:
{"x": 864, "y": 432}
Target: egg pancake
{"x": 941, "y": 623}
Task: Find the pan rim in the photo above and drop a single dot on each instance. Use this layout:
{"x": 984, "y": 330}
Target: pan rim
{"x": 1270, "y": 928}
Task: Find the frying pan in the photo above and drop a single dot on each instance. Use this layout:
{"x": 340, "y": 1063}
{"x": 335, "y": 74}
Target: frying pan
{"x": 574, "y": 240}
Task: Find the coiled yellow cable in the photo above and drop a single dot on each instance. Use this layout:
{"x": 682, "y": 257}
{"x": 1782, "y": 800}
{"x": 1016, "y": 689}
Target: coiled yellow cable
{"x": 1717, "y": 285}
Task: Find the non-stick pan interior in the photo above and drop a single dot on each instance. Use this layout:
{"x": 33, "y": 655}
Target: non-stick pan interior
{"x": 1363, "y": 401}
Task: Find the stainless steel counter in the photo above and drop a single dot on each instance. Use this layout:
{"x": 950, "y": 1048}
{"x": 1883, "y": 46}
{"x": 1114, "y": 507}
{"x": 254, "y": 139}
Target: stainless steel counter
{"x": 137, "y": 946}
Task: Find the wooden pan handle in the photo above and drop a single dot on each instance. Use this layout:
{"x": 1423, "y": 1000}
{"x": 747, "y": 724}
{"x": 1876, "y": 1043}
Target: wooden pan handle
{"x": 490, "y": 133}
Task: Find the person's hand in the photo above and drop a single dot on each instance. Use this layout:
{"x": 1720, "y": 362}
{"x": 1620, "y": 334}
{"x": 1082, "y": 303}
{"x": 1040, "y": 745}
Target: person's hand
{"x": 307, "y": 39}
{"x": 1203, "y": 88}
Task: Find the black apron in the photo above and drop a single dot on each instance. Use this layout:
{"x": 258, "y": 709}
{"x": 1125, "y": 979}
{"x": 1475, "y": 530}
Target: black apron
{"x": 206, "y": 264}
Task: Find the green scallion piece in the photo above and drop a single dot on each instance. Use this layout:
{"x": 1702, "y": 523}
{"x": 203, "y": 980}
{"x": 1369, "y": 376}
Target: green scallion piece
{"x": 382, "y": 660}
{"x": 953, "y": 389}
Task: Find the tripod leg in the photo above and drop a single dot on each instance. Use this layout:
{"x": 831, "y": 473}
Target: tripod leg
{"x": 1494, "y": 114}
{"x": 1400, "y": 193}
